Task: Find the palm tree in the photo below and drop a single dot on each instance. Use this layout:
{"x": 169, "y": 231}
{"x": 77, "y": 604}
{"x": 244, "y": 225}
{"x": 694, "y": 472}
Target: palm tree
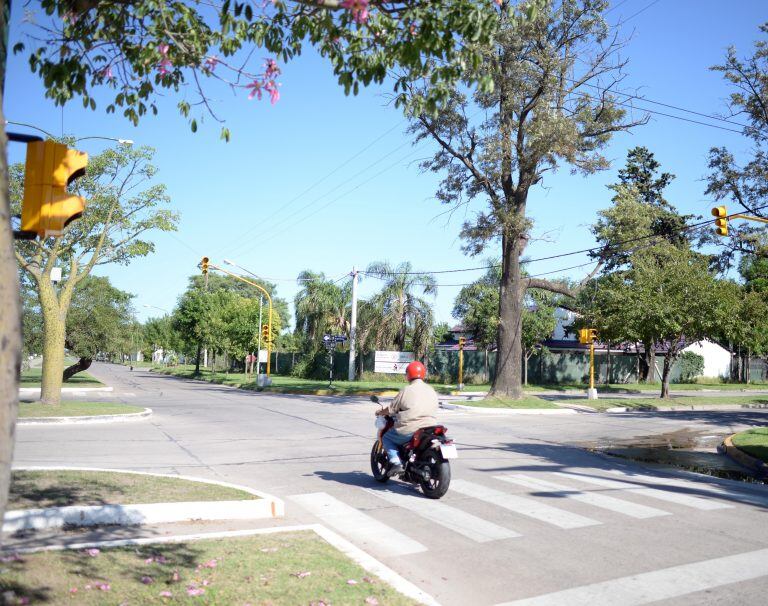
{"x": 399, "y": 313}
{"x": 322, "y": 306}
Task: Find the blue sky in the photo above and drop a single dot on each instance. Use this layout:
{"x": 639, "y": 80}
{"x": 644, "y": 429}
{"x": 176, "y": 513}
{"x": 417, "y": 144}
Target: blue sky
{"x": 326, "y": 182}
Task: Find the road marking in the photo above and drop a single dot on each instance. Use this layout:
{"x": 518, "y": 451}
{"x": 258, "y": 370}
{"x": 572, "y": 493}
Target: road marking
{"x": 654, "y": 493}
{"x": 523, "y": 506}
{"x": 452, "y": 518}
{"x": 659, "y": 585}
{"x": 716, "y": 491}
{"x": 627, "y": 508}
{"x": 357, "y": 525}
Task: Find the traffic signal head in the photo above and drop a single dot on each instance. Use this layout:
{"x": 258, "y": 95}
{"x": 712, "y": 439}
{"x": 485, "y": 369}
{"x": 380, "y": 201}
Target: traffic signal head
{"x": 265, "y": 332}
{"x": 587, "y": 335}
{"x": 592, "y": 333}
{"x": 204, "y": 265}
{"x": 462, "y": 342}
{"x": 47, "y": 208}
{"x": 721, "y": 220}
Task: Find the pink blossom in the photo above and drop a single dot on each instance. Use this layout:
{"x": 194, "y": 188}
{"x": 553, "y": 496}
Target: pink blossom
{"x": 271, "y": 69}
{"x": 351, "y": 582}
{"x": 106, "y": 72}
{"x": 209, "y": 564}
{"x": 175, "y": 578}
{"x": 166, "y": 594}
{"x": 103, "y": 587}
{"x": 371, "y": 601}
{"x": 255, "y": 87}
{"x": 271, "y": 87}
{"x": 195, "y": 591}
{"x": 88, "y": 587}
{"x": 93, "y": 552}
{"x": 165, "y": 62}
{"x": 358, "y": 8}
{"x": 301, "y": 575}
{"x": 211, "y": 62}
{"x": 498, "y": 2}
{"x": 73, "y": 591}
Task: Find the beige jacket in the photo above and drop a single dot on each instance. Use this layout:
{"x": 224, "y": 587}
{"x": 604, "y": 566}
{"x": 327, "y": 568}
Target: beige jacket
{"x": 414, "y": 407}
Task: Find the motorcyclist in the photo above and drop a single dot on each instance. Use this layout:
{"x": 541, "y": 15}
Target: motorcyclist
{"x": 414, "y": 407}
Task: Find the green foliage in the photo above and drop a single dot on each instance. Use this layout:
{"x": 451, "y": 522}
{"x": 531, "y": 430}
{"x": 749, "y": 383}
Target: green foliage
{"x": 142, "y": 50}
{"x": 100, "y": 319}
{"x": 691, "y": 366}
{"x": 322, "y": 307}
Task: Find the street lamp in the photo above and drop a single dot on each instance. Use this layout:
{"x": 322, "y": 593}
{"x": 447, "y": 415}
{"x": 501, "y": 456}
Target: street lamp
{"x": 156, "y": 307}
{"x": 45, "y": 132}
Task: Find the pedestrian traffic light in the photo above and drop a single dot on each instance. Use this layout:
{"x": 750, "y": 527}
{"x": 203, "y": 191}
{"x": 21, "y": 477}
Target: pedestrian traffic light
{"x": 721, "y": 222}
{"x": 47, "y": 208}
{"x": 265, "y": 332}
{"x": 204, "y": 265}
{"x": 587, "y": 335}
{"x": 462, "y": 342}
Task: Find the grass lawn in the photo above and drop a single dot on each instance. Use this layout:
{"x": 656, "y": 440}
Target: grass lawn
{"x": 73, "y": 408}
{"x": 657, "y": 403}
{"x": 753, "y": 442}
{"x": 493, "y": 402}
{"x": 58, "y": 488}
{"x": 32, "y": 376}
{"x": 287, "y": 568}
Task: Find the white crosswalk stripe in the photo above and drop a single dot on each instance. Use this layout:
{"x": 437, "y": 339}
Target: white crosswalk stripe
{"x": 663, "y": 584}
{"x": 621, "y": 506}
{"x": 527, "y": 507}
{"x": 454, "y": 519}
{"x": 360, "y": 527}
{"x": 654, "y": 493}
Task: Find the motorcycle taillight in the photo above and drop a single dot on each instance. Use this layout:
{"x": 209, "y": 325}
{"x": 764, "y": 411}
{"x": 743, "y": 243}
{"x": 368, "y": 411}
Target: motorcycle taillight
{"x": 440, "y": 430}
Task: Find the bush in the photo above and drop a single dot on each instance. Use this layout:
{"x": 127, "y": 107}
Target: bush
{"x": 691, "y": 366}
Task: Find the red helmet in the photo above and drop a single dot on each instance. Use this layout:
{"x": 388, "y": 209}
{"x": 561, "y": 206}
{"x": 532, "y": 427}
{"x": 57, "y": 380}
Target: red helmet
{"x": 415, "y": 370}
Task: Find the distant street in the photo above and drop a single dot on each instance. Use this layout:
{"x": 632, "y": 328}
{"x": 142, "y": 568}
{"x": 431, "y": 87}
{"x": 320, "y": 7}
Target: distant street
{"x": 528, "y": 514}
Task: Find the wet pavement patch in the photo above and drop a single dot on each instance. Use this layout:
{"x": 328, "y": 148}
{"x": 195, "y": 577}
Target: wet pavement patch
{"x": 693, "y": 450}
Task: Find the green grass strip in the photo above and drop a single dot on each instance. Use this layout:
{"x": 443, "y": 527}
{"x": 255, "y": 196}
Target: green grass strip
{"x": 33, "y": 376}
{"x": 494, "y": 402}
{"x": 59, "y": 488}
{"x": 754, "y": 442}
{"x": 73, "y": 408}
{"x": 289, "y": 568}
{"x": 602, "y": 404}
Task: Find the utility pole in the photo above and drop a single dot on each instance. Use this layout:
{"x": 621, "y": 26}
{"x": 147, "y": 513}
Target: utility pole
{"x": 353, "y": 328}
{"x": 258, "y": 351}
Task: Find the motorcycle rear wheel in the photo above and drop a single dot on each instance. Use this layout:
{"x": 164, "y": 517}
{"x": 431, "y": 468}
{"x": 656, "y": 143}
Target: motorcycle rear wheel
{"x": 379, "y": 463}
{"x": 437, "y": 485}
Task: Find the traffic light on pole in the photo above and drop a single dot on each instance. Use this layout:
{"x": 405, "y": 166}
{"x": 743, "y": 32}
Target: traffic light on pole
{"x": 721, "y": 221}
{"x": 204, "y": 265}
{"x": 462, "y": 342}
{"x": 587, "y": 335}
{"x": 592, "y": 334}
{"x": 47, "y": 208}
{"x": 265, "y": 332}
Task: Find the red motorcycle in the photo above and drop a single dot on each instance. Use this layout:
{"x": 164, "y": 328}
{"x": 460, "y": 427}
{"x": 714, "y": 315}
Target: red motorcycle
{"x": 425, "y": 457}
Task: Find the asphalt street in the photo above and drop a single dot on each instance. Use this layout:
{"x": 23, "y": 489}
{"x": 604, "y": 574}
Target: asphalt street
{"x": 529, "y": 514}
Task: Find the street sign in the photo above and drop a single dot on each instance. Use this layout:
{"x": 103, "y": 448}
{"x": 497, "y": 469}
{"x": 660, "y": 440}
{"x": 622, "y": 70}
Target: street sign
{"x": 392, "y": 362}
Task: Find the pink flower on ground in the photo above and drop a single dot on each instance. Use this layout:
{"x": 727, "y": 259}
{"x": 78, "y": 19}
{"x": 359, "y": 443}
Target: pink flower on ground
{"x": 301, "y": 575}
{"x": 175, "y": 578}
{"x": 351, "y": 582}
{"x": 166, "y": 594}
{"x": 87, "y": 587}
{"x": 371, "y": 601}
{"x": 73, "y": 591}
{"x": 195, "y": 591}
{"x": 93, "y": 552}
{"x": 358, "y": 8}
{"x": 147, "y": 580}
{"x": 103, "y": 587}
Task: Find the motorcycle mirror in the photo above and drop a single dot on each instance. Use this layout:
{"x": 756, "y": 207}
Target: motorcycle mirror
{"x": 375, "y": 399}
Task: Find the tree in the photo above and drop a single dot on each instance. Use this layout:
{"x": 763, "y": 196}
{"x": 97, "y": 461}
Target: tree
{"x": 400, "y": 316}
{"x": 538, "y": 324}
{"x": 159, "y": 333}
{"x": 100, "y": 320}
{"x": 322, "y": 307}
{"x": 113, "y": 229}
{"x": 551, "y": 102}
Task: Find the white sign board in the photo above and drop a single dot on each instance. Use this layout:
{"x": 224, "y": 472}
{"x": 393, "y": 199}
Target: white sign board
{"x": 392, "y": 362}
{"x": 262, "y": 356}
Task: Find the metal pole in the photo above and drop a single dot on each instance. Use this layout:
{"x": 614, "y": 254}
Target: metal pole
{"x": 592, "y": 365}
{"x": 461, "y": 367}
{"x": 258, "y": 351}
{"x": 330, "y": 371}
{"x": 353, "y": 328}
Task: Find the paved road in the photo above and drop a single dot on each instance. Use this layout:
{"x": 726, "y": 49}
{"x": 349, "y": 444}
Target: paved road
{"x": 528, "y": 514}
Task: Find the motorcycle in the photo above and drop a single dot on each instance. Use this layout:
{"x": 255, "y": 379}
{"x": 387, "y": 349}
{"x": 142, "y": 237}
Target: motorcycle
{"x": 426, "y": 457}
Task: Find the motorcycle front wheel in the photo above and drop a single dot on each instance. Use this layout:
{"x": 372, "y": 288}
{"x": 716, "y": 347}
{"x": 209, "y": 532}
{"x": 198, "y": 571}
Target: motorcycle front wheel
{"x": 379, "y": 462}
{"x": 440, "y": 478}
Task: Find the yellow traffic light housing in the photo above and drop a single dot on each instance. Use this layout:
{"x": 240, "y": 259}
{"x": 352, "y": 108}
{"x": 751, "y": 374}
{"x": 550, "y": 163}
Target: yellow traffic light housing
{"x": 265, "y": 332}
{"x": 47, "y": 207}
{"x": 204, "y": 265}
{"x": 721, "y": 220}
{"x": 587, "y": 335}
{"x": 462, "y": 342}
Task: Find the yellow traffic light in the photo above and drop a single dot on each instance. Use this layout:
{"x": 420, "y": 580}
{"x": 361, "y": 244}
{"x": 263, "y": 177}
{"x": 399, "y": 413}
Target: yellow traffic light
{"x": 462, "y": 342}
{"x": 592, "y": 334}
{"x": 204, "y": 265}
{"x": 721, "y": 222}
{"x": 265, "y": 332}
{"x": 47, "y": 208}
{"x": 587, "y": 335}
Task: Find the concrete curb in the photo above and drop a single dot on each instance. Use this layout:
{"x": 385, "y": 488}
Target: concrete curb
{"x": 267, "y": 506}
{"x": 119, "y": 418}
{"x": 511, "y": 411}
{"x": 699, "y": 408}
{"x": 31, "y": 391}
{"x": 742, "y": 458}
{"x": 366, "y": 561}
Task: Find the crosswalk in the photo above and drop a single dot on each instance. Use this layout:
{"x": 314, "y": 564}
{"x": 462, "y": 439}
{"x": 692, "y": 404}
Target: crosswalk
{"x": 525, "y": 496}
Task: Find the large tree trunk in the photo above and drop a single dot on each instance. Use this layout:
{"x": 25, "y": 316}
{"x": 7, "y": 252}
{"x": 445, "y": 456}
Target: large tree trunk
{"x": 648, "y": 366}
{"x": 10, "y": 315}
{"x": 79, "y": 366}
{"x": 669, "y": 360}
{"x": 54, "y": 335}
{"x": 508, "y": 381}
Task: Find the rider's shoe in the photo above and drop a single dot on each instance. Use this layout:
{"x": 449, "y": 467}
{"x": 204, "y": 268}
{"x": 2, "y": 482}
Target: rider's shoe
{"x": 395, "y": 470}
